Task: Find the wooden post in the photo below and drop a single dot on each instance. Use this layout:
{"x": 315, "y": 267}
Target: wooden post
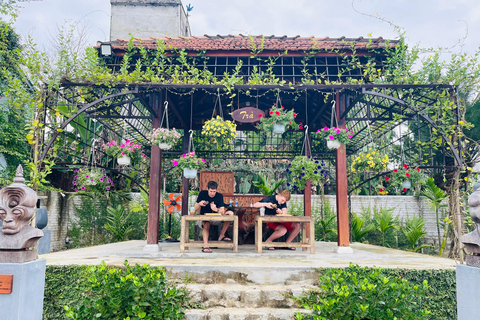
{"x": 185, "y": 182}
{"x": 307, "y": 195}
{"x": 155, "y": 177}
{"x": 341, "y": 177}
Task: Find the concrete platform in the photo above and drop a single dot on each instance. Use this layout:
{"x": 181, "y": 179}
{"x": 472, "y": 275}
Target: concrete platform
{"x": 169, "y": 256}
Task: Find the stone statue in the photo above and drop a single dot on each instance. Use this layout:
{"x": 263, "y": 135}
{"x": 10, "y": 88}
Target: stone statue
{"x": 18, "y": 240}
{"x": 472, "y": 240}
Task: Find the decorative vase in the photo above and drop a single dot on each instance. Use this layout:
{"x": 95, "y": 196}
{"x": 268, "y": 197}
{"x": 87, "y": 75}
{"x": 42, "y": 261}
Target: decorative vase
{"x": 278, "y": 128}
{"x": 407, "y": 184}
{"x": 189, "y": 173}
{"x": 123, "y": 160}
{"x": 333, "y": 144}
{"x": 164, "y": 146}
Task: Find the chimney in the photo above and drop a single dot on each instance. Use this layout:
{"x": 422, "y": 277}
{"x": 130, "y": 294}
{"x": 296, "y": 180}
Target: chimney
{"x": 148, "y": 18}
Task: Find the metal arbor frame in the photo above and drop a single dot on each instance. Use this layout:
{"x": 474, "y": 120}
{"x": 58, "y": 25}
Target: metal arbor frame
{"x": 132, "y": 111}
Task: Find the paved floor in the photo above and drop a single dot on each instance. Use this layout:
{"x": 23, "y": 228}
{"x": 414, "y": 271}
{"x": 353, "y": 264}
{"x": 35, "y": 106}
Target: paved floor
{"x": 169, "y": 256}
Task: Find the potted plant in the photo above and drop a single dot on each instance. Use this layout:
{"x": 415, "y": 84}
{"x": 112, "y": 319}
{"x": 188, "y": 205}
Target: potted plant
{"x": 370, "y": 161}
{"x": 165, "y": 138}
{"x": 92, "y": 180}
{"x": 124, "y": 152}
{"x": 218, "y": 130}
{"x": 189, "y": 163}
{"x": 277, "y": 120}
{"x": 302, "y": 169}
{"x": 335, "y": 136}
{"x": 401, "y": 180}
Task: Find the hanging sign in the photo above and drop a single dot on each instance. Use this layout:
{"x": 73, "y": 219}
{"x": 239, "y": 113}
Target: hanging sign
{"x": 6, "y": 281}
{"x": 247, "y": 114}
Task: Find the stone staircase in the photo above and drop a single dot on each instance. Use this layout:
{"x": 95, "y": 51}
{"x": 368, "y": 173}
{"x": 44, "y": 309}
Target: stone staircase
{"x": 230, "y": 296}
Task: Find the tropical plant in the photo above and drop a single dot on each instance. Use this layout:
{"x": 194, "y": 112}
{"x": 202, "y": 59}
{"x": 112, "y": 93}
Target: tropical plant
{"x": 128, "y": 148}
{"x": 384, "y": 221}
{"x": 303, "y": 168}
{"x": 414, "y": 232}
{"x": 325, "y": 227}
{"x": 277, "y": 115}
{"x": 218, "y": 130}
{"x": 435, "y": 196}
{"x": 190, "y": 161}
{"x": 267, "y": 186}
{"x": 139, "y": 292}
{"x": 370, "y": 161}
{"x": 344, "y": 136}
{"x": 119, "y": 223}
{"x": 163, "y": 135}
{"x": 363, "y": 293}
{"x": 358, "y": 229}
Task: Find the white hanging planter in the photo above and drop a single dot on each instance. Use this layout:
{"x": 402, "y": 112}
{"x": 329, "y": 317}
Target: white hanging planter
{"x": 123, "y": 160}
{"x": 407, "y": 184}
{"x": 164, "y": 146}
{"x": 333, "y": 144}
{"x": 189, "y": 173}
{"x": 278, "y": 128}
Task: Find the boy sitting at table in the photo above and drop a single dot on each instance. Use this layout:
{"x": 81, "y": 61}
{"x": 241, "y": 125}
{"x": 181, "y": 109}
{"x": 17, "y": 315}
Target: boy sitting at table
{"x": 277, "y": 204}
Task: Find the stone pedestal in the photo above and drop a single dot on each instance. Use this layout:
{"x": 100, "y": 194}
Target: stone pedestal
{"x": 468, "y": 284}
{"x": 26, "y": 300}
{"x": 44, "y": 242}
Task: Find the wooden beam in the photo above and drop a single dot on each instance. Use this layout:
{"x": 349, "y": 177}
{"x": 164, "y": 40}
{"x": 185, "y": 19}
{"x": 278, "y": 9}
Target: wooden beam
{"x": 341, "y": 177}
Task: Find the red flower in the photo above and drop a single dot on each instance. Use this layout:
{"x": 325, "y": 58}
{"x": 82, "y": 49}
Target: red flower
{"x": 407, "y": 174}
{"x": 405, "y": 166}
{"x": 260, "y": 115}
{"x": 418, "y": 169}
{"x": 387, "y": 178}
{"x": 283, "y": 107}
{"x": 289, "y": 121}
{"x": 404, "y": 189}
{"x": 294, "y": 115}
{"x": 277, "y": 113}
{"x": 381, "y": 190}
{"x": 395, "y": 170}
{"x": 271, "y": 112}
{"x": 301, "y": 125}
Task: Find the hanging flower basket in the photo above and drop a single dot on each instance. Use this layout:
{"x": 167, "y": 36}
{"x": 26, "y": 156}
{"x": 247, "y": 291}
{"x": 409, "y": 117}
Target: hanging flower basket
{"x": 302, "y": 169}
{"x": 219, "y": 131}
{"x": 370, "y": 161}
{"x": 407, "y": 184}
{"x": 336, "y": 136}
{"x": 91, "y": 180}
{"x": 190, "y": 173}
{"x": 124, "y": 160}
{"x": 165, "y": 138}
{"x": 119, "y": 150}
{"x": 405, "y": 179}
{"x": 189, "y": 161}
{"x": 276, "y": 118}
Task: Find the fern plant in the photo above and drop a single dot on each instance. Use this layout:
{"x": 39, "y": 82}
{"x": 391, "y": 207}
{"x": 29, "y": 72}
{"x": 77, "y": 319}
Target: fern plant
{"x": 435, "y": 196}
{"x": 358, "y": 229}
{"x": 119, "y": 223}
{"x": 414, "y": 232}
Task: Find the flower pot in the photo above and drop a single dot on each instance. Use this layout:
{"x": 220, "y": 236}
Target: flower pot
{"x": 190, "y": 173}
{"x": 164, "y": 146}
{"x": 123, "y": 160}
{"x": 407, "y": 184}
{"x": 278, "y": 128}
{"x": 333, "y": 144}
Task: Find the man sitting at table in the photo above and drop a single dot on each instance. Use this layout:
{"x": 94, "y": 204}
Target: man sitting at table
{"x": 212, "y": 201}
{"x": 277, "y": 204}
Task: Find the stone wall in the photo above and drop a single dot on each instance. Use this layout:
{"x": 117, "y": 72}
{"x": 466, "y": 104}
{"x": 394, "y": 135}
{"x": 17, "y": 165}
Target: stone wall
{"x": 60, "y": 208}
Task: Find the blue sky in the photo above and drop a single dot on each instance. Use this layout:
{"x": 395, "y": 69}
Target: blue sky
{"x": 452, "y": 24}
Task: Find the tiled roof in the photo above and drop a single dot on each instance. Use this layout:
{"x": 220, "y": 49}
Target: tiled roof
{"x": 245, "y": 43}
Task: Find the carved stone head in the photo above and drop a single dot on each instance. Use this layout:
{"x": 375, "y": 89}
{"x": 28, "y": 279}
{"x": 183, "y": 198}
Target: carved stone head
{"x": 17, "y": 205}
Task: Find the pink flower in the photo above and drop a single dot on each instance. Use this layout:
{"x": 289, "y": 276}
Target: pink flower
{"x": 350, "y": 136}
{"x": 338, "y": 131}
{"x": 74, "y": 182}
{"x": 331, "y": 137}
{"x": 123, "y": 153}
{"x": 325, "y": 129}
{"x": 108, "y": 188}
{"x": 175, "y": 162}
{"x": 83, "y": 188}
{"x": 203, "y": 160}
{"x": 122, "y": 146}
{"x": 260, "y": 115}
{"x": 184, "y": 155}
{"x": 128, "y": 141}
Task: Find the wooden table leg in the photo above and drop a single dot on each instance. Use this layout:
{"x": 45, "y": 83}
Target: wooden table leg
{"x": 304, "y": 235}
{"x": 235, "y": 234}
{"x": 256, "y": 235}
{"x": 182, "y": 235}
{"x": 259, "y": 239}
{"x": 312, "y": 237}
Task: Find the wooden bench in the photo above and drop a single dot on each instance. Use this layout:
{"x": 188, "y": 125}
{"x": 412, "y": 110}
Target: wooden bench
{"x": 259, "y": 220}
{"x": 185, "y": 242}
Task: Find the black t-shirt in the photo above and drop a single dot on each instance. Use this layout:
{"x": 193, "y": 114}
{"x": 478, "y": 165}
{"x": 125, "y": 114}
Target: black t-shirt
{"x": 272, "y": 199}
{"x": 218, "y": 200}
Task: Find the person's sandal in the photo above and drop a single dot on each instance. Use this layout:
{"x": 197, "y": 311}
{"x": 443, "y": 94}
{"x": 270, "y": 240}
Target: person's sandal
{"x": 271, "y": 248}
{"x": 206, "y": 250}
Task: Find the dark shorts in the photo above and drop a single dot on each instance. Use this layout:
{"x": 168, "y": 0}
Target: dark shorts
{"x": 274, "y": 225}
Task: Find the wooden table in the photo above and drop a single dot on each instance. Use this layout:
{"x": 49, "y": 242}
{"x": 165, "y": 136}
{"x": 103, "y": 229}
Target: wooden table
{"x": 185, "y": 242}
{"x": 259, "y": 220}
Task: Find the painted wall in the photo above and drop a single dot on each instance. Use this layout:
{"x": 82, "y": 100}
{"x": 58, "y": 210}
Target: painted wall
{"x": 145, "y": 19}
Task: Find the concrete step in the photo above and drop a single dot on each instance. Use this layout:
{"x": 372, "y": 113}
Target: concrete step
{"x": 232, "y": 295}
{"x": 242, "y": 313}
